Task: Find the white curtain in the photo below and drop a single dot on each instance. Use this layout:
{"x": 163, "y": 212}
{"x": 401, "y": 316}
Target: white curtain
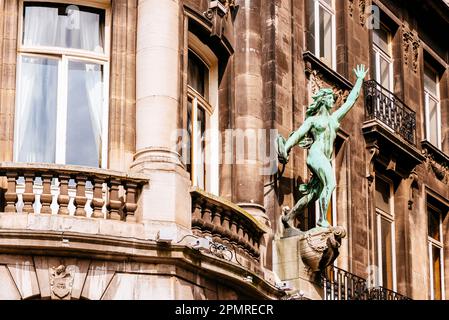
{"x": 75, "y": 29}
{"x": 43, "y": 27}
{"x": 94, "y": 89}
{"x": 36, "y": 119}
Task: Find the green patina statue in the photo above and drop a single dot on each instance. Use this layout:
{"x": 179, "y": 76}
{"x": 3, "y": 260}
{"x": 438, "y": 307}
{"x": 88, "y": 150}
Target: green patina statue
{"x": 318, "y": 133}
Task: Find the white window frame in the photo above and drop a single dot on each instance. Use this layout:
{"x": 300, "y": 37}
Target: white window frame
{"x": 205, "y": 54}
{"x": 380, "y": 214}
{"x": 331, "y": 11}
{"x": 438, "y": 244}
{"x": 63, "y": 55}
{"x": 387, "y": 56}
{"x": 436, "y": 98}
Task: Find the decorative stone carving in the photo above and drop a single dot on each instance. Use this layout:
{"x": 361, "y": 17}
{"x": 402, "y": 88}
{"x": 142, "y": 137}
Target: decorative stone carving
{"x": 219, "y": 12}
{"x": 440, "y": 169}
{"x": 413, "y": 184}
{"x": 351, "y": 7}
{"x": 362, "y": 10}
{"x": 416, "y": 44}
{"x": 317, "y": 83}
{"x": 61, "y": 282}
{"x": 410, "y": 40}
{"x": 320, "y": 247}
{"x": 373, "y": 152}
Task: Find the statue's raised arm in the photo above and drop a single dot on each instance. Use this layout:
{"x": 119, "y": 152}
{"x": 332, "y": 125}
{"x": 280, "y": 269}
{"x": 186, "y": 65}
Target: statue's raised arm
{"x": 361, "y": 73}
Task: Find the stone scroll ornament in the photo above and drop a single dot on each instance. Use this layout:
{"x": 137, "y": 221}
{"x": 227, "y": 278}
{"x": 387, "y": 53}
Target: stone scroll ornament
{"x": 317, "y": 134}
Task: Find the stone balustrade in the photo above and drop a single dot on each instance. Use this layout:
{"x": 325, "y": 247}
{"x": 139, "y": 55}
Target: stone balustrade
{"x": 226, "y": 223}
{"x": 70, "y": 190}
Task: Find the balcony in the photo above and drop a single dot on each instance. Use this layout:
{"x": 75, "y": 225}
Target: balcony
{"x": 229, "y": 225}
{"x": 390, "y": 127}
{"x": 384, "y": 106}
{"x": 339, "y": 284}
{"x": 70, "y": 191}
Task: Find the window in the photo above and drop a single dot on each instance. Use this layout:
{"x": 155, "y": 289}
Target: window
{"x": 435, "y": 244}
{"x": 61, "y": 104}
{"x": 385, "y": 249}
{"x": 432, "y": 104}
{"x": 322, "y": 26}
{"x": 201, "y": 157}
{"x": 383, "y": 61}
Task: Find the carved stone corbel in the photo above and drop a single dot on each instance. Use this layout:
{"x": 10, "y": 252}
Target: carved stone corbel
{"x": 416, "y": 44}
{"x": 412, "y": 185}
{"x": 373, "y": 152}
{"x": 218, "y": 13}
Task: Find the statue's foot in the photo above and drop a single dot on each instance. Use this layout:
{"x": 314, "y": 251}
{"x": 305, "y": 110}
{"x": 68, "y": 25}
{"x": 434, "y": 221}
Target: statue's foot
{"x": 282, "y": 153}
{"x": 323, "y": 223}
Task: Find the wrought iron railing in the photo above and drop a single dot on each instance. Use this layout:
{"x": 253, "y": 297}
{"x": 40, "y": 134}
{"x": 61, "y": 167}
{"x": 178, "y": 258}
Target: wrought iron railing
{"x": 381, "y": 104}
{"x": 339, "y": 284}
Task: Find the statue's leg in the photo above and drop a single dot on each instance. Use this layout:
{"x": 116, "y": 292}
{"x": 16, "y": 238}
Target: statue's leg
{"x": 308, "y": 198}
{"x": 297, "y": 209}
{"x": 326, "y": 176}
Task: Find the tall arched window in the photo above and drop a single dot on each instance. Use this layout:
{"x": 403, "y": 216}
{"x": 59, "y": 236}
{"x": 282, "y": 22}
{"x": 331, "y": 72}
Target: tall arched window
{"x": 202, "y": 116}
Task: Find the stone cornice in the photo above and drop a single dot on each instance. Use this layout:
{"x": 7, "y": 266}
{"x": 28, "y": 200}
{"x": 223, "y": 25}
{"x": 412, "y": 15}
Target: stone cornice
{"x": 26, "y": 242}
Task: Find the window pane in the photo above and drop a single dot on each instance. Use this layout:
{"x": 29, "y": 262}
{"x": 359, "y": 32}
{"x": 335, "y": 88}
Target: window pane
{"x": 66, "y": 26}
{"x": 311, "y": 28}
{"x": 200, "y": 157}
{"x": 383, "y": 195}
{"x": 387, "y": 254}
{"x": 36, "y": 112}
{"x": 430, "y": 80}
{"x": 434, "y": 223}
{"x": 197, "y": 76}
{"x": 385, "y": 76}
{"x": 325, "y": 36}
{"x": 381, "y": 37}
{"x": 436, "y": 265}
{"x": 329, "y": 2}
{"x": 433, "y": 122}
{"x": 84, "y": 113}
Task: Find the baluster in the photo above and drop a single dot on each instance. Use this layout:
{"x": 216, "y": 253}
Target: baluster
{"x": 197, "y": 221}
{"x": 28, "y": 195}
{"x": 114, "y": 204}
{"x": 11, "y": 193}
{"x": 131, "y": 201}
{"x": 46, "y": 196}
{"x": 80, "y": 198}
{"x": 207, "y": 218}
{"x": 63, "y": 198}
{"x": 97, "y": 199}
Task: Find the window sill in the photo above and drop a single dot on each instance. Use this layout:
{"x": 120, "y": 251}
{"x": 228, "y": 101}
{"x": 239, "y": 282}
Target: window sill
{"x": 314, "y": 63}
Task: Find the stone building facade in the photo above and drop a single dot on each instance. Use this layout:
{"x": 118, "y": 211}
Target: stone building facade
{"x": 138, "y": 160}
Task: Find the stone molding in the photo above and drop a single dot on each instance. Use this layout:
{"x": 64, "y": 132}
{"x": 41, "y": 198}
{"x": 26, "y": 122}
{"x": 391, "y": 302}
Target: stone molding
{"x": 437, "y": 162}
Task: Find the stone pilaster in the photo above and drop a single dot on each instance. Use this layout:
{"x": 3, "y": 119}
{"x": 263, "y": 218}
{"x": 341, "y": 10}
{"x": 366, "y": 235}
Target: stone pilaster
{"x": 8, "y": 58}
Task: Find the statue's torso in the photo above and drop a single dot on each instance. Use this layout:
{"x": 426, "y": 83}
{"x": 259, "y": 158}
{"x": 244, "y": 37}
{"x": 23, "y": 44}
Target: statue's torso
{"x": 324, "y": 131}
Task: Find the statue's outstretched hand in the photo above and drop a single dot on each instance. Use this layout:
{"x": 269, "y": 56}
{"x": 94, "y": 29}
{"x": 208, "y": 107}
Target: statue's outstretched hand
{"x": 360, "y": 71}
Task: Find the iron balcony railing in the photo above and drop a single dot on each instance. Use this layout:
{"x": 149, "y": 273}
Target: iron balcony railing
{"x": 382, "y": 105}
{"x": 339, "y": 284}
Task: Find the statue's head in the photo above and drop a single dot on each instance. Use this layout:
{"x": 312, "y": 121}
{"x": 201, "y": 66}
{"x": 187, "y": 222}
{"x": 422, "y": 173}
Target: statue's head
{"x": 324, "y": 98}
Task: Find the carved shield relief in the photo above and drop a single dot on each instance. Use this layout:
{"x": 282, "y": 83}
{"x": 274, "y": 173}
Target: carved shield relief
{"x": 61, "y": 282}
